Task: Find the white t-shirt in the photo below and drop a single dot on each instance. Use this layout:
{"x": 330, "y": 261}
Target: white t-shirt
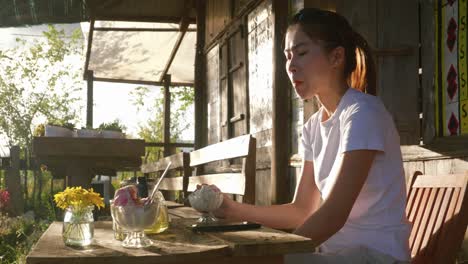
{"x": 377, "y": 219}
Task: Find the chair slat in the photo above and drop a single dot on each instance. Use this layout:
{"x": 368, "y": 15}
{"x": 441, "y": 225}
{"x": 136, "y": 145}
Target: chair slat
{"x": 448, "y": 217}
{"x": 411, "y": 201}
{"x": 424, "y": 227}
{"x": 232, "y": 148}
{"x": 419, "y": 209}
{"x": 428, "y": 235}
{"x": 440, "y": 219}
{"x": 439, "y": 181}
{"x": 417, "y": 227}
{"x": 172, "y": 184}
{"x": 232, "y": 183}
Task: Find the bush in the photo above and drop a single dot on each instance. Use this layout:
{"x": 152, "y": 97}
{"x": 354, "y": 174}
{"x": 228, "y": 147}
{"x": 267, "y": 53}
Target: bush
{"x": 17, "y": 236}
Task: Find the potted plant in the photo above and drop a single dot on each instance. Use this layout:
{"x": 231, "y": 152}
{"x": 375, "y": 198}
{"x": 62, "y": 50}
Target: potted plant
{"x": 88, "y": 133}
{"x": 54, "y": 129}
{"x": 112, "y": 130}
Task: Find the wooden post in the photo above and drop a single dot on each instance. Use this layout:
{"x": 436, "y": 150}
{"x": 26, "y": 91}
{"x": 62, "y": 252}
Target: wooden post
{"x": 13, "y": 184}
{"x": 167, "y": 115}
{"x": 281, "y": 108}
{"x": 89, "y": 107}
{"x": 200, "y": 77}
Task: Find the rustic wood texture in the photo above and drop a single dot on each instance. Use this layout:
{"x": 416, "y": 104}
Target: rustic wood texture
{"x": 232, "y": 148}
{"x": 438, "y": 209}
{"x": 240, "y": 147}
{"x": 428, "y": 59}
{"x": 200, "y": 77}
{"x": 179, "y": 162}
{"x": 212, "y": 94}
{"x": 82, "y": 158}
{"x": 281, "y": 108}
{"x": 87, "y": 147}
{"x": 177, "y": 245}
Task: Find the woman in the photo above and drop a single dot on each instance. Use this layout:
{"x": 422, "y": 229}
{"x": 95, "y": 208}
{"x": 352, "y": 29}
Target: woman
{"x": 351, "y": 196}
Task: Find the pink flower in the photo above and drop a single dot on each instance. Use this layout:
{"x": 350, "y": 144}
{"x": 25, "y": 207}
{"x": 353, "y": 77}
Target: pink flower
{"x": 4, "y": 197}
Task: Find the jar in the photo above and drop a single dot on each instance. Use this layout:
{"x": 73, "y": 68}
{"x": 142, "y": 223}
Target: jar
{"x": 161, "y": 222}
{"x": 78, "y": 226}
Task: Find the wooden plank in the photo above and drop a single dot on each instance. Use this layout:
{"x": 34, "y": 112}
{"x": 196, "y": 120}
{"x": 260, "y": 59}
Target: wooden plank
{"x": 233, "y": 183}
{"x": 273, "y": 241}
{"x": 238, "y": 147}
{"x": 200, "y": 77}
{"x": 448, "y": 225}
{"x": 177, "y": 161}
{"x": 249, "y": 171}
{"x": 449, "y": 181}
{"x": 440, "y": 219}
{"x": 428, "y": 59}
{"x": 432, "y": 219}
{"x": 411, "y": 208}
{"x": 167, "y": 114}
{"x": 172, "y": 184}
{"x": 88, "y": 147}
{"x": 280, "y": 183}
{"x": 184, "y": 212}
{"x": 175, "y": 244}
{"x": 423, "y": 226}
{"x": 417, "y": 220}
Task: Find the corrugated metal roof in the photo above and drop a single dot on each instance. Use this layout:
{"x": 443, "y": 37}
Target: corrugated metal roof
{"x": 30, "y": 12}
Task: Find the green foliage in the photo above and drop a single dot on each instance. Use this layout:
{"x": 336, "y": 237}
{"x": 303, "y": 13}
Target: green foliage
{"x": 181, "y": 99}
{"x": 17, "y": 236}
{"x": 37, "y": 82}
{"x": 112, "y": 126}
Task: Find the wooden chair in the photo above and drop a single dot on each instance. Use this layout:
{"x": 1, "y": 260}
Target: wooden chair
{"x": 181, "y": 163}
{"x": 229, "y": 180}
{"x": 437, "y": 208}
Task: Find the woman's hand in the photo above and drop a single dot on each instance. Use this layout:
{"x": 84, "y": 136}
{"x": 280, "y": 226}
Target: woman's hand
{"x": 227, "y": 207}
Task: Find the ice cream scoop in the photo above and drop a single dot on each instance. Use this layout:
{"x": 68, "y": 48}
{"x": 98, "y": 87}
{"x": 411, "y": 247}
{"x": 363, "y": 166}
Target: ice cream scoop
{"x": 206, "y": 199}
{"x": 126, "y": 196}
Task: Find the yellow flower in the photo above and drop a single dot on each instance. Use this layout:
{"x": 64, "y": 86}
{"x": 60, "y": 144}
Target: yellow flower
{"x": 78, "y": 198}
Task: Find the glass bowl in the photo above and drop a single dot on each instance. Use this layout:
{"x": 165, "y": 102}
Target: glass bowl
{"x": 134, "y": 219}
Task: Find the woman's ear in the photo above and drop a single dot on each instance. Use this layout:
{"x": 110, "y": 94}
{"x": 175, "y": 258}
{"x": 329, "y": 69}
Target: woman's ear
{"x": 337, "y": 57}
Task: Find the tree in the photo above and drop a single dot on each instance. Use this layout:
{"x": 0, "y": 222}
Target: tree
{"x": 182, "y": 98}
{"x": 38, "y": 82}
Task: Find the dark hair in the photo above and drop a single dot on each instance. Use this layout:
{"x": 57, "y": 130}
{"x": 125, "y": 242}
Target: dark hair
{"x": 333, "y": 30}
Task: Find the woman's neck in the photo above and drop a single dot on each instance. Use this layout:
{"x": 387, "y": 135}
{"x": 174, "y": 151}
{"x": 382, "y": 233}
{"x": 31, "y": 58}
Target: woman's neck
{"x": 330, "y": 98}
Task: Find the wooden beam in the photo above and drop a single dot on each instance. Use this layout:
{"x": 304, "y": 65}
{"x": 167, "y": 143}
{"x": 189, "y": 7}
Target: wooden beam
{"x": 176, "y": 145}
{"x": 167, "y": 115}
{"x": 200, "y": 77}
{"x": 142, "y": 29}
{"x": 88, "y": 48}
{"x": 89, "y": 105}
{"x": 174, "y": 84}
{"x": 156, "y": 19}
{"x": 280, "y": 183}
{"x": 183, "y": 26}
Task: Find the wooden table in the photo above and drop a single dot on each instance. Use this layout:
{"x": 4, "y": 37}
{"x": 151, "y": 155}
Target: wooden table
{"x": 80, "y": 159}
{"x": 178, "y": 244}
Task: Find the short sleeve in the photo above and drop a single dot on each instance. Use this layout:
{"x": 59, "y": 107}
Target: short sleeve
{"x": 306, "y": 143}
{"x": 363, "y": 128}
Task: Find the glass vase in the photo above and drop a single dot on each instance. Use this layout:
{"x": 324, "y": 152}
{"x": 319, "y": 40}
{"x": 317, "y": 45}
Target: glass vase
{"x": 78, "y": 226}
{"x": 161, "y": 223}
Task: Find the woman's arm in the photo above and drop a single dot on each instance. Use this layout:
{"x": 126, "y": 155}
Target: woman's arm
{"x": 285, "y": 216}
{"x": 334, "y": 212}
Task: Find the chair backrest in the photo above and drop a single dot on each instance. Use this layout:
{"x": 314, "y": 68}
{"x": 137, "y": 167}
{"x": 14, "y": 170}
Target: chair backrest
{"x": 437, "y": 208}
{"x": 230, "y": 181}
{"x": 180, "y": 162}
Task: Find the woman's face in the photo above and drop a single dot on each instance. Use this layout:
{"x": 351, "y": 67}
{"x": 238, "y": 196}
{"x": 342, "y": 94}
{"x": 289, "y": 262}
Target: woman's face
{"x": 309, "y": 67}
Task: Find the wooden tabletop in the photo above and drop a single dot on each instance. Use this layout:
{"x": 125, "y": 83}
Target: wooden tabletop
{"x": 178, "y": 244}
